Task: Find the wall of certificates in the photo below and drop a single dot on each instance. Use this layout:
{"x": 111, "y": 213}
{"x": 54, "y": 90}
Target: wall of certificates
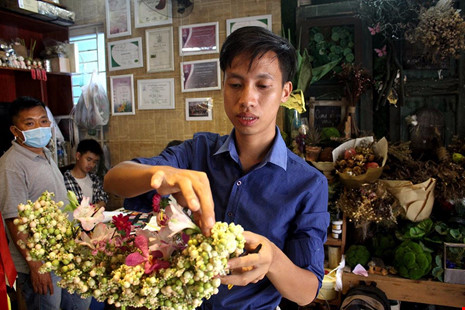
{"x": 153, "y": 54}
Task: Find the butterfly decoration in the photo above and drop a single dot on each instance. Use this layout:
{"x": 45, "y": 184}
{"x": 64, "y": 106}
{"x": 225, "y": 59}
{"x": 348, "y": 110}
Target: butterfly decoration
{"x": 381, "y": 52}
{"x": 375, "y": 29}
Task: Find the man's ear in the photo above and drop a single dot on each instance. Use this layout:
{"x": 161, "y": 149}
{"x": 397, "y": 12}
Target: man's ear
{"x": 287, "y": 90}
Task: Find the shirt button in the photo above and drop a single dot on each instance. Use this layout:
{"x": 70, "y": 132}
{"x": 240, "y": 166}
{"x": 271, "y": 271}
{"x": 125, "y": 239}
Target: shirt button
{"x": 238, "y": 183}
{"x": 230, "y": 214}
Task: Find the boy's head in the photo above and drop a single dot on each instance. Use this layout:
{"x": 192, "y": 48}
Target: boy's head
{"x": 256, "y": 42}
{"x": 88, "y": 154}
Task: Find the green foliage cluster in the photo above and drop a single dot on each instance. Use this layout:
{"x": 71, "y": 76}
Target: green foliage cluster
{"x": 383, "y": 246}
{"x": 412, "y": 260}
{"x": 357, "y": 254}
{"x": 328, "y": 45}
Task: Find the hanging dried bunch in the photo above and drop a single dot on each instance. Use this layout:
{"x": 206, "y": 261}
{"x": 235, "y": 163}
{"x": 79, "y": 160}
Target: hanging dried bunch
{"x": 441, "y": 31}
{"x": 369, "y": 203}
{"x": 356, "y": 80}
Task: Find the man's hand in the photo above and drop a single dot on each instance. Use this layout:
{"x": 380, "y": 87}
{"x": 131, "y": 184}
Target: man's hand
{"x": 41, "y": 282}
{"x": 191, "y": 189}
{"x": 252, "y": 267}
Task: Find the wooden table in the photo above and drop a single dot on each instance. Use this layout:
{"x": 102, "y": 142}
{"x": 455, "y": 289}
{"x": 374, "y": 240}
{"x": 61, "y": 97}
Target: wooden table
{"x": 396, "y": 288}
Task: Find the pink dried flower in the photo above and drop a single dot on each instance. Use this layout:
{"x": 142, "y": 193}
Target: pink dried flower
{"x": 152, "y": 259}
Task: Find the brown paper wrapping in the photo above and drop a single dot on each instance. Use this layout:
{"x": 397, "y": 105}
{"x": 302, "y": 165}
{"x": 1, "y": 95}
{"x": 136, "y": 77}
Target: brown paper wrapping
{"x": 416, "y": 199}
{"x": 380, "y": 148}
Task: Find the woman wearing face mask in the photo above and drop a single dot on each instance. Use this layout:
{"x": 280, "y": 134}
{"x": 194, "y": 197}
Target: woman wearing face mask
{"x": 26, "y": 171}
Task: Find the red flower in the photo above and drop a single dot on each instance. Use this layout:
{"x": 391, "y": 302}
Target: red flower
{"x": 156, "y": 203}
{"x": 122, "y": 223}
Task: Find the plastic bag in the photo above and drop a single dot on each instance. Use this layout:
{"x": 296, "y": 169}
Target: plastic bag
{"x": 92, "y": 109}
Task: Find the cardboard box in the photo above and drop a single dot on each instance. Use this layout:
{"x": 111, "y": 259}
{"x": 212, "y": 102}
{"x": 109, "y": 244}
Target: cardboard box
{"x": 73, "y": 55}
{"x": 21, "y": 6}
{"x": 60, "y": 64}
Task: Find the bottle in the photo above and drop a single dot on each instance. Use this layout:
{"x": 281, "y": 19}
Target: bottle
{"x": 60, "y": 157}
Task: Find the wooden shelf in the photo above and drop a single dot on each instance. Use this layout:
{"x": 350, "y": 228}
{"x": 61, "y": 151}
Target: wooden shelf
{"x": 333, "y": 242}
{"x": 28, "y": 70}
{"x": 396, "y": 288}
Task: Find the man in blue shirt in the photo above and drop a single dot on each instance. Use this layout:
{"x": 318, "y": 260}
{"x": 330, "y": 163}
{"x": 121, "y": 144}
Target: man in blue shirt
{"x": 248, "y": 177}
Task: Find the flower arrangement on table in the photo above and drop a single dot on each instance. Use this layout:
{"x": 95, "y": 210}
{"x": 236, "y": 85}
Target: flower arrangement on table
{"x": 169, "y": 264}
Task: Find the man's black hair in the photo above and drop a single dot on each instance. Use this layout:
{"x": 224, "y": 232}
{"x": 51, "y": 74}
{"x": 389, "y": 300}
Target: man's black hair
{"x": 257, "y": 41}
{"x": 89, "y": 145}
{"x": 23, "y": 103}
{"x": 173, "y": 143}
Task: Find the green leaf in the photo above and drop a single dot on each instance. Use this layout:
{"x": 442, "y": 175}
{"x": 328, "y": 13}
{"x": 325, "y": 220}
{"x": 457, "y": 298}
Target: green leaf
{"x": 438, "y": 260}
{"x": 426, "y": 225}
{"x": 305, "y": 73}
{"x": 455, "y": 233}
{"x": 441, "y": 228}
{"x": 73, "y": 202}
{"x": 319, "y": 72}
{"x": 438, "y": 273}
{"x": 416, "y": 232}
{"x": 425, "y": 248}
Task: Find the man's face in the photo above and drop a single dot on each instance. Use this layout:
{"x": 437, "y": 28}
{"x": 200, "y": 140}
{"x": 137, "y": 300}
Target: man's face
{"x": 252, "y": 97}
{"x": 87, "y": 162}
{"x": 29, "y": 119}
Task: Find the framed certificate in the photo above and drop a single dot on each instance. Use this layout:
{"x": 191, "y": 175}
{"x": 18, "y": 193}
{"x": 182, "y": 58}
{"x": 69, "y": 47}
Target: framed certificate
{"x": 152, "y": 13}
{"x": 236, "y": 23}
{"x": 122, "y": 95}
{"x": 200, "y": 75}
{"x": 199, "y": 109}
{"x": 118, "y": 18}
{"x": 198, "y": 39}
{"x": 125, "y": 54}
{"x": 155, "y": 94}
{"x": 159, "y": 45}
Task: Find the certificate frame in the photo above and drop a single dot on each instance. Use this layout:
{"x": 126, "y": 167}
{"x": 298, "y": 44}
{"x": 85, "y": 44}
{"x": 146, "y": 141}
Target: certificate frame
{"x": 159, "y": 49}
{"x": 118, "y": 18}
{"x": 116, "y": 58}
{"x": 199, "y": 39}
{"x": 259, "y": 20}
{"x": 122, "y": 91}
{"x": 148, "y": 13}
{"x": 199, "y": 109}
{"x": 155, "y": 94}
{"x": 200, "y": 75}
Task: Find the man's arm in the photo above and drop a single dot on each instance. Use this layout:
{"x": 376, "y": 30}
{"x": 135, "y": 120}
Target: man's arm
{"x": 129, "y": 179}
{"x": 294, "y": 283}
{"x": 99, "y": 195}
{"x": 41, "y": 283}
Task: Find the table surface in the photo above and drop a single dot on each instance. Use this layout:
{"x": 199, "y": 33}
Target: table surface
{"x": 396, "y": 288}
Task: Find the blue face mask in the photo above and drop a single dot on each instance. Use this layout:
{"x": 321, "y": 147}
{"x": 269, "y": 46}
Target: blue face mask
{"x": 38, "y": 137}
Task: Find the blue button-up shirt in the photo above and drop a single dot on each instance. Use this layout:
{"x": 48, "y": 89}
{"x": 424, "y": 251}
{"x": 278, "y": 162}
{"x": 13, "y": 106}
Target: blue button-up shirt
{"x": 282, "y": 198}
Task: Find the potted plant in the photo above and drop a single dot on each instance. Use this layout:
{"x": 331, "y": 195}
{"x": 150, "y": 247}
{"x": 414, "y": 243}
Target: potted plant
{"x": 312, "y": 149}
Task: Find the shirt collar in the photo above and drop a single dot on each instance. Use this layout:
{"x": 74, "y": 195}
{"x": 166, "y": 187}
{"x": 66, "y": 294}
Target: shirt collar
{"x": 30, "y": 154}
{"x": 277, "y": 154}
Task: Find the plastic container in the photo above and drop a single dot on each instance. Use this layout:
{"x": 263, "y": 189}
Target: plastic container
{"x": 336, "y": 225}
{"x": 336, "y": 233}
{"x": 327, "y": 291}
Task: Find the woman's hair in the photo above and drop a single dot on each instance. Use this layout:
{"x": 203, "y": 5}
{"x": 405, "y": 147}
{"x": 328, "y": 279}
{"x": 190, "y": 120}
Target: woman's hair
{"x": 257, "y": 41}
